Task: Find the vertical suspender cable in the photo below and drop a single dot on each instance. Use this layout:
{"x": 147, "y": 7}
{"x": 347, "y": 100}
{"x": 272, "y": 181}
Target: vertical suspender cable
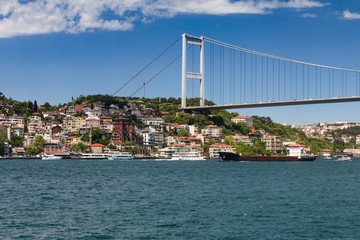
{"x": 262, "y": 78}
{"x": 267, "y": 79}
{"x": 273, "y": 73}
{"x": 291, "y": 95}
{"x": 320, "y": 81}
{"x": 279, "y": 80}
{"x": 284, "y": 80}
{"x": 255, "y": 78}
{"x": 316, "y": 82}
{"x": 245, "y": 79}
{"x": 251, "y": 78}
{"x": 303, "y": 81}
{"x": 296, "y": 81}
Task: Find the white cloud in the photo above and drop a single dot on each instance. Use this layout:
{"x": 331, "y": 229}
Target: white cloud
{"x": 309, "y": 15}
{"x": 350, "y": 16}
{"x": 75, "y": 16}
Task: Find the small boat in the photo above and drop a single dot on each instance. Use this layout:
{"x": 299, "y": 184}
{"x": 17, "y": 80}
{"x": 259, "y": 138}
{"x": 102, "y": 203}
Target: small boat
{"x": 192, "y": 156}
{"x": 121, "y": 156}
{"x": 344, "y": 158}
{"x": 50, "y": 157}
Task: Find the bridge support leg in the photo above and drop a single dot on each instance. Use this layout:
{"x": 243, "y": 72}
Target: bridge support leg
{"x": 192, "y": 75}
{"x": 202, "y": 80}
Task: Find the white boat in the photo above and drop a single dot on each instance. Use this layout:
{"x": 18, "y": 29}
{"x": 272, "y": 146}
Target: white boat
{"x": 121, "y": 156}
{"x": 344, "y": 158}
{"x": 50, "y": 157}
{"x": 193, "y": 156}
{"x": 93, "y": 156}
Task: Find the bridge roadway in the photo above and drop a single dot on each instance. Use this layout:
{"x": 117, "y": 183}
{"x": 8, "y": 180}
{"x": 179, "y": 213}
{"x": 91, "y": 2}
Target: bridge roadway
{"x": 275, "y": 104}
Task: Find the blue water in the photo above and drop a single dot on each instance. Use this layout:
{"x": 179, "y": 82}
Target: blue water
{"x": 74, "y": 199}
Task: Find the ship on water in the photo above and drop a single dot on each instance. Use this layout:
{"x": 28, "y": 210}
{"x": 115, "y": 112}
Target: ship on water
{"x": 228, "y": 156}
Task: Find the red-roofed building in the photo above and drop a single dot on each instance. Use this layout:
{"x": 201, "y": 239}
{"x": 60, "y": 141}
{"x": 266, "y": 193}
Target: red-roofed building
{"x": 296, "y": 150}
{"x": 212, "y": 131}
{"x": 97, "y": 148}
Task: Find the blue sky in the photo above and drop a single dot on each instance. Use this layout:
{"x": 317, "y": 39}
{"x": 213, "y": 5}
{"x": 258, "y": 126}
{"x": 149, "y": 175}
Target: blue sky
{"x": 55, "y": 50}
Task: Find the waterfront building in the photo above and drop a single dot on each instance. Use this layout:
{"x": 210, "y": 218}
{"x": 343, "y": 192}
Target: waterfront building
{"x": 247, "y": 120}
{"x": 48, "y": 146}
{"x": 273, "y": 144}
{"x": 216, "y": 148}
{"x": 97, "y": 148}
{"x": 169, "y": 151}
{"x": 296, "y": 150}
{"x": 353, "y": 151}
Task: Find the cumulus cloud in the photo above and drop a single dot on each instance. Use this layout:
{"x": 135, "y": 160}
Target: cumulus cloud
{"x": 350, "y": 16}
{"x": 74, "y": 16}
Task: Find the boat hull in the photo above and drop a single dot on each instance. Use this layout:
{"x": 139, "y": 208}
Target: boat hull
{"x": 226, "y": 156}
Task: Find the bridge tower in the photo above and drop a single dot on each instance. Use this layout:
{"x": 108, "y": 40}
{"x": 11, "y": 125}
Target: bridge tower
{"x": 186, "y": 39}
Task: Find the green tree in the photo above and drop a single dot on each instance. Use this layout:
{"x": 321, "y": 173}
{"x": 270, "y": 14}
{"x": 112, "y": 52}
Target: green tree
{"x": 37, "y": 147}
{"x": 35, "y": 106}
{"x": 183, "y": 133}
{"x": 3, "y": 139}
{"x": 17, "y": 141}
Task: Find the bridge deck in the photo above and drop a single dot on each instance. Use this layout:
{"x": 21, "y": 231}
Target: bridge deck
{"x": 274, "y": 104}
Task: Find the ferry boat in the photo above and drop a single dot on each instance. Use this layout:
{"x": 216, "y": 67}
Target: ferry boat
{"x": 228, "y": 156}
{"x": 193, "y": 156}
{"x": 121, "y": 156}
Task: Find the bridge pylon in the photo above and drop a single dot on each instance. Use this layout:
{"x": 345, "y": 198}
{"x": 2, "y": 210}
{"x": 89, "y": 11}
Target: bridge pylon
{"x": 187, "y": 39}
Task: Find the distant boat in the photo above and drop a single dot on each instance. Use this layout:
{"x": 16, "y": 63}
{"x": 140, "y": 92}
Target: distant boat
{"x": 344, "y": 158}
{"x": 50, "y": 157}
{"x": 192, "y": 156}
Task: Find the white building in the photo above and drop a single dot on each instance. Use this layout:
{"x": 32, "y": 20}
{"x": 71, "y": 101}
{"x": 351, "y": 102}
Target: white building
{"x": 296, "y": 150}
{"x": 212, "y": 131}
{"x": 247, "y": 120}
{"x": 153, "y": 121}
{"x": 173, "y": 149}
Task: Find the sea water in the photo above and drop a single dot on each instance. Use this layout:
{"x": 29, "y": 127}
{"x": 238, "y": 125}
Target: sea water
{"x": 99, "y": 199}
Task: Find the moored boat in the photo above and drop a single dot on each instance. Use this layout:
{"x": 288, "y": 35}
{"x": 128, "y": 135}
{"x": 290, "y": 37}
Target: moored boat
{"x": 50, "y": 157}
{"x": 227, "y": 156}
{"x": 192, "y": 156}
{"x": 121, "y": 156}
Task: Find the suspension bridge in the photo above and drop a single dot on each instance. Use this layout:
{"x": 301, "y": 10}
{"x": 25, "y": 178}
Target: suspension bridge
{"x": 236, "y": 77}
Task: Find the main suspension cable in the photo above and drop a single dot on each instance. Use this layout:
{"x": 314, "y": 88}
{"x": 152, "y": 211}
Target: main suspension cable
{"x": 143, "y": 69}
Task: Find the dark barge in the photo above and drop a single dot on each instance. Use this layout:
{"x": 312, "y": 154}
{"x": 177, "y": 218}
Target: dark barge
{"x": 227, "y": 156}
